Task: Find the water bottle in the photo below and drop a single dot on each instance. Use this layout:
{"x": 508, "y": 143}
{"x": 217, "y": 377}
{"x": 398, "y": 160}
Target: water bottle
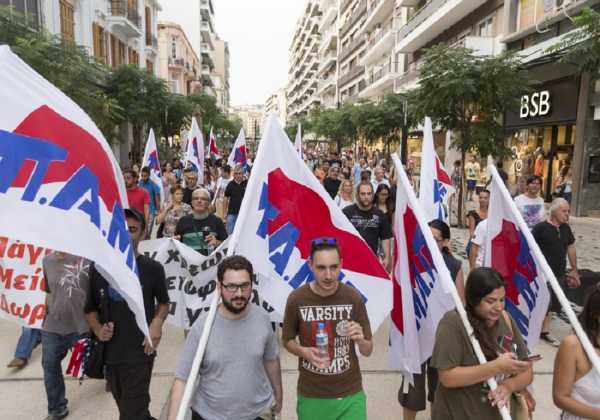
{"x": 322, "y": 341}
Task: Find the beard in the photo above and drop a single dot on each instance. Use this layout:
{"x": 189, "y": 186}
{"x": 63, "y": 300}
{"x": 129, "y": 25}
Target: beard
{"x": 228, "y": 304}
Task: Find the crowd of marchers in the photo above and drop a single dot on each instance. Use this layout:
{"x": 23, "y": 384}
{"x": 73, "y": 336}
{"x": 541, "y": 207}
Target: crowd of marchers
{"x": 240, "y": 375}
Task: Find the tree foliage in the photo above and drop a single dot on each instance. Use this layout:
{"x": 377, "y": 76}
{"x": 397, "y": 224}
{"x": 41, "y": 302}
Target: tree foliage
{"x": 581, "y": 46}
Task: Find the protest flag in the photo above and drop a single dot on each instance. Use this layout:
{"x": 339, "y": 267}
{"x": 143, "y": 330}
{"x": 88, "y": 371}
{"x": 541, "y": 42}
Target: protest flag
{"x": 212, "y": 146}
{"x": 194, "y": 154}
{"x": 435, "y": 185}
{"x": 238, "y": 153}
{"x": 55, "y": 165}
{"x": 511, "y": 250}
{"x": 151, "y": 160}
{"x": 423, "y": 288}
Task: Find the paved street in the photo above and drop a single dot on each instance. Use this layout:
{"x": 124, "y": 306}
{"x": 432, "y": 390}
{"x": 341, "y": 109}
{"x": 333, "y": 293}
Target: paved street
{"x": 23, "y": 394}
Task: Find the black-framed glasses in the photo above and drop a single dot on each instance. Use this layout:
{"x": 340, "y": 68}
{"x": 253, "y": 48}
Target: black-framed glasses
{"x": 324, "y": 241}
{"x": 244, "y": 287}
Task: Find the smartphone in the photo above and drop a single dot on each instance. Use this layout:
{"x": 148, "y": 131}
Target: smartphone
{"x": 533, "y": 358}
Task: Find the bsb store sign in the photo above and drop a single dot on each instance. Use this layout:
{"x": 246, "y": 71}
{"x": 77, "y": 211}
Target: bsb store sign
{"x": 551, "y": 103}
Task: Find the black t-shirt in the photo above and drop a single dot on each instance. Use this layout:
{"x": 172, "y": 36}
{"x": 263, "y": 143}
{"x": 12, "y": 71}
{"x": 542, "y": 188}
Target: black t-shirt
{"x": 187, "y": 195}
{"x": 235, "y": 192}
{"x": 553, "y": 242}
{"x": 126, "y": 344}
{"x": 373, "y": 225}
{"x": 454, "y": 265}
{"x": 332, "y": 186}
{"x": 193, "y": 232}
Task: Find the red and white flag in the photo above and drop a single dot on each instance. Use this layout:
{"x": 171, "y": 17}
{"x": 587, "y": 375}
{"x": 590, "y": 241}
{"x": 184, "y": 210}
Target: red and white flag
{"x": 151, "y": 160}
{"x": 511, "y": 249}
{"x": 212, "y": 147}
{"x": 61, "y": 188}
{"x": 194, "y": 154}
{"x": 285, "y": 207}
{"x": 422, "y": 283}
{"x": 435, "y": 185}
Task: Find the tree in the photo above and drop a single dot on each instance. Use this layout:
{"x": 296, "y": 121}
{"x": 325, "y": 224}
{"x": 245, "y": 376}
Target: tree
{"x": 581, "y": 46}
{"x": 469, "y": 95}
{"x": 337, "y": 125}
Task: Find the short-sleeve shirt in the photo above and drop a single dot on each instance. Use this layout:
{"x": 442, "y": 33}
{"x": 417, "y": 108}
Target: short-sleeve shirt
{"x": 532, "y": 209}
{"x": 194, "y": 232}
{"x": 480, "y": 239}
{"x": 153, "y": 193}
{"x": 233, "y": 382}
{"x": 126, "y": 344}
{"x": 172, "y": 218}
{"x": 452, "y": 349}
{"x": 303, "y": 313}
{"x": 67, "y": 286}
{"x": 138, "y": 197}
{"x": 373, "y": 225}
{"x": 235, "y": 192}
{"x": 554, "y": 242}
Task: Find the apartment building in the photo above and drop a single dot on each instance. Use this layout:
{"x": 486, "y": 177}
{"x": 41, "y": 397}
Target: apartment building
{"x": 252, "y": 117}
{"x": 353, "y": 14}
{"x": 327, "y": 72}
{"x": 277, "y": 104}
{"x": 116, "y": 32}
{"x": 304, "y": 62}
{"x": 560, "y": 117}
{"x": 207, "y": 45}
{"x": 178, "y": 63}
{"x": 221, "y": 73}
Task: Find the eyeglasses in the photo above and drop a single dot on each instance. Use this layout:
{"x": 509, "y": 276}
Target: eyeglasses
{"x": 234, "y": 287}
{"x": 324, "y": 241}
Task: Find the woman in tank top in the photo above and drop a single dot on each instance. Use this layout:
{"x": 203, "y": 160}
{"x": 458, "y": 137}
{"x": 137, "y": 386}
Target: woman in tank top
{"x": 576, "y": 384}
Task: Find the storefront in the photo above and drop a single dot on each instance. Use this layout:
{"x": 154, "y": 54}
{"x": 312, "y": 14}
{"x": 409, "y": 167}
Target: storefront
{"x": 542, "y": 134}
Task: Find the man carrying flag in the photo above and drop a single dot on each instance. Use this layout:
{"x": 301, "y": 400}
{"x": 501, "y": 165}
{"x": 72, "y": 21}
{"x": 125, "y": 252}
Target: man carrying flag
{"x": 212, "y": 147}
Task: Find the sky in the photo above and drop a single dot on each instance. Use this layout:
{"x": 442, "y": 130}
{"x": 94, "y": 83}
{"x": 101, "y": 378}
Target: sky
{"x": 259, "y": 33}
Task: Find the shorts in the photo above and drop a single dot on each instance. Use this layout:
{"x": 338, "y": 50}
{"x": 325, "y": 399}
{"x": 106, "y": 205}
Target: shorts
{"x": 415, "y": 398}
{"x": 471, "y": 184}
{"x": 352, "y": 407}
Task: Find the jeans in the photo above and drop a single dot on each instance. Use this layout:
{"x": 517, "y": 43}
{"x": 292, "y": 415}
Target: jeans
{"x": 29, "y": 339}
{"x": 54, "y": 349}
{"x": 231, "y": 219}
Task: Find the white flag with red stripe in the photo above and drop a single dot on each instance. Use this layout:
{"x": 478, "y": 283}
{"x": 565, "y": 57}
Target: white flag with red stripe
{"x": 285, "y": 207}
{"x": 194, "y": 154}
{"x": 435, "y": 184}
{"x": 510, "y": 250}
{"x": 151, "y": 160}
{"x": 422, "y": 282}
{"x": 213, "y": 150}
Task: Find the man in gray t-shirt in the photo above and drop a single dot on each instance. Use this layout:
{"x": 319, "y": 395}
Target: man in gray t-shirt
{"x": 66, "y": 286}
{"x": 240, "y": 374}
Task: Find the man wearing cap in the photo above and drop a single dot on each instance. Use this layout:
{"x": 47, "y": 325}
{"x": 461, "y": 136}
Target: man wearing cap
{"x": 129, "y": 356}
{"x": 329, "y": 382}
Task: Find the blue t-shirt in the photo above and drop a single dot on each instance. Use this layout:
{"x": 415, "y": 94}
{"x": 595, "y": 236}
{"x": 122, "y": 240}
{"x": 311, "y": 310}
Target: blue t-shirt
{"x": 153, "y": 192}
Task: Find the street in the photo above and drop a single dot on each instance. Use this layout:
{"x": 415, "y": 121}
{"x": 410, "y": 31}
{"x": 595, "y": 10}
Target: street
{"x": 24, "y": 395}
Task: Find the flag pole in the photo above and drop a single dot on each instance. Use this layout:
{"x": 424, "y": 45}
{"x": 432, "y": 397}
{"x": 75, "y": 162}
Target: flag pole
{"x": 445, "y": 276}
{"x": 193, "y": 376}
{"x": 548, "y": 274}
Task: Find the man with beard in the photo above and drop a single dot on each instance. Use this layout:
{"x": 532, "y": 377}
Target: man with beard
{"x": 240, "y": 375}
{"x": 372, "y": 224}
{"x": 137, "y": 196}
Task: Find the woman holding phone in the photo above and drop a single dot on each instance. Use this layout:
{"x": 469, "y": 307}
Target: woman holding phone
{"x": 576, "y": 383}
{"x": 462, "y": 392}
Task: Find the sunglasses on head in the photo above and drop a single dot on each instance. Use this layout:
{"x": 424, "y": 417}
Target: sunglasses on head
{"x": 323, "y": 241}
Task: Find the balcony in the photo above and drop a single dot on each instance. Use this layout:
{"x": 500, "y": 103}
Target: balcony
{"x": 124, "y": 19}
{"x": 352, "y": 74}
{"x": 353, "y": 46}
{"x": 206, "y": 47}
{"x": 326, "y": 62}
{"x": 328, "y": 40}
{"x": 176, "y": 62}
{"x": 377, "y": 12}
{"x": 206, "y": 8}
{"x": 328, "y": 17}
{"x": 380, "y": 42}
{"x": 409, "y": 79}
{"x": 431, "y": 20}
{"x": 206, "y": 79}
{"x": 358, "y": 14}
{"x": 207, "y": 58}
{"x": 380, "y": 81}
{"x": 326, "y": 85}
{"x": 482, "y": 45}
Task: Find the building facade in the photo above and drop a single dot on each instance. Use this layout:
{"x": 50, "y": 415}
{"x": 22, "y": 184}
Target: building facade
{"x": 178, "y": 63}
{"x": 252, "y": 117}
{"x": 327, "y": 72}
{"x": 221, "y": 73}
{"x": 277, "y": 104}
{"x": 304, "y": 62}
